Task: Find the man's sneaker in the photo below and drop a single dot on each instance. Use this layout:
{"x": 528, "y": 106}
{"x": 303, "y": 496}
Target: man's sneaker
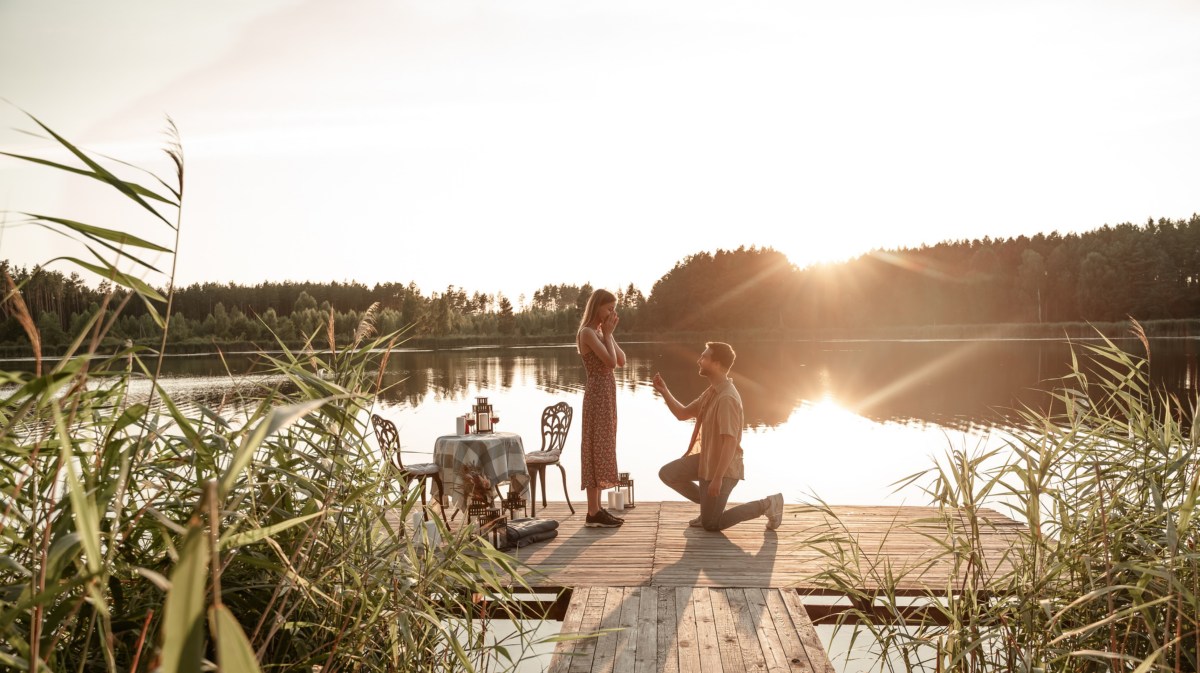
{"x": 601, "y": 519}
{"x": 695, "y": 523}
{"x": 774, "y": 511}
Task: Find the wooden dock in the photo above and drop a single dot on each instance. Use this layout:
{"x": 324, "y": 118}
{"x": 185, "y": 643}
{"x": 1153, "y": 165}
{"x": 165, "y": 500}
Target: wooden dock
{"x": 656, "y": 547}
{"x": 666, "y": 597}
{"x": 681, "y": 629}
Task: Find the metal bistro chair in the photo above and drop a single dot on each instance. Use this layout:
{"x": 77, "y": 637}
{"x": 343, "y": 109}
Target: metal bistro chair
{"x": 389, "y": 443}
{"x": 556, "y": 421}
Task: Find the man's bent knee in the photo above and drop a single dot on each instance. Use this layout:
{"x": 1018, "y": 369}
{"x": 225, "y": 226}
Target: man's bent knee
{"x": 667, "y": 475}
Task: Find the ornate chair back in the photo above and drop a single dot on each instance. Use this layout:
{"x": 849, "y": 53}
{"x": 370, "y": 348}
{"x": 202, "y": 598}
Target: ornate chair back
{"x": 389, "y": 440}
{"x": 556, "y": 422}
{"x": 389, "y": 443}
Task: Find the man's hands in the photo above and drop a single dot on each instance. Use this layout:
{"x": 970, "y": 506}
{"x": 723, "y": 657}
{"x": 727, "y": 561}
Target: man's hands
{"x": 660, "y": 386}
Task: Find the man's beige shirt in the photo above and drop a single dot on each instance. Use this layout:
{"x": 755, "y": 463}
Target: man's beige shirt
{"x": 720, "y": 414}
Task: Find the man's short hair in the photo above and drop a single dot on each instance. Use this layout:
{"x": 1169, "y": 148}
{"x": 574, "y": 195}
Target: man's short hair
{"x": 722, "y": 353}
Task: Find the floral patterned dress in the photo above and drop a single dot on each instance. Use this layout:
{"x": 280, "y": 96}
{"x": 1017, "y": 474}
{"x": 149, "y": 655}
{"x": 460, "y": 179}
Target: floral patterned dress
{"x": 599, "y": 445}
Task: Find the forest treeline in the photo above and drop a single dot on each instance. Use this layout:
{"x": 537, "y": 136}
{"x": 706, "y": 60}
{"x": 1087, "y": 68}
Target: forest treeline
{"x": 1149, "y": 272}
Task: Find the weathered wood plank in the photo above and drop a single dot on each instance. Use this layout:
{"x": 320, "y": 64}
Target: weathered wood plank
{"x": 606, "y": 647}
{"x": 789, "y": 639}
{"x": 645, "y": 659}
{"x": 817, "y": 656}
{"x": 585, "y": 650}
{"x": 667, "y": 647}
{"x": 727, "y": 638}
{"x": 560, "y": 662}
{"x": 768, "y": 635}
{"x": 689, "y": 654}
{"x": 706, "y": 631}
{"x": 747, "y": 632}
{"x": 631, "y": 600}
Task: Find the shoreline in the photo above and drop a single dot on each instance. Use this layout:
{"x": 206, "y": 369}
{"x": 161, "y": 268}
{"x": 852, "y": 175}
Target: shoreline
{"x": 1181, "y": 330}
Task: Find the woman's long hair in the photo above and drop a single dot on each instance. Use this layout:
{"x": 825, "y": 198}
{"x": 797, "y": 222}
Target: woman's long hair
{"x": 599, "y": 298}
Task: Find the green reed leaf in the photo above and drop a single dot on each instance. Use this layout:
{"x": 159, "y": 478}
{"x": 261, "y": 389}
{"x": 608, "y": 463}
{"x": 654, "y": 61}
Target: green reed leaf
{"x": 131, "y": 415}
{"x": 157, "y": 579}
{"x": 185, "y": 426}
{"x": 1149, "y": 662}
{"x": 1111, "y": 618}
{"x": 61, "y": 551}
{"x": 91, "y": 230}
{"x": 1188, "y": 507}
{"x": 278, "y": 419}
{"x": 250, "y": 537}
{"x": 233, "y": 648}
{"x": 183, "y": 613}
{"x": 119, "y": 277}
{"x": 122, "y": 252}
{"x": 101, "y": 173}
{"x": 15, "y": 663}
{"x": 87, "y": 518}
{"x": 12, "y": 565}
{"x": 134, "y": 187}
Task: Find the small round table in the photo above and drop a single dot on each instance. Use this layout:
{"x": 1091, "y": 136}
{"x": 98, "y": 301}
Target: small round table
{"x": 499, "y": 456}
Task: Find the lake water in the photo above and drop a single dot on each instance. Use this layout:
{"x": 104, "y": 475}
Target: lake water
{"x": 840, "y": 421}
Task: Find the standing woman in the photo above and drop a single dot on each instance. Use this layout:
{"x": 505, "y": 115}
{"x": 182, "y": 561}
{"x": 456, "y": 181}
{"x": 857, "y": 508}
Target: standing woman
{"x": 600, "y": 354}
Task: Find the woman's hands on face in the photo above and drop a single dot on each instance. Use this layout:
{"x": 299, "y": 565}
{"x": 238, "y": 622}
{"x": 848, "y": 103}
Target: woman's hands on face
{"x": 610, "y": 322}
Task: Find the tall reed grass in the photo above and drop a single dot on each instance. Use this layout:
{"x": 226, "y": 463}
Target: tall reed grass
{"x": 1106, "y": 575}
{"x": 143, "y": 535}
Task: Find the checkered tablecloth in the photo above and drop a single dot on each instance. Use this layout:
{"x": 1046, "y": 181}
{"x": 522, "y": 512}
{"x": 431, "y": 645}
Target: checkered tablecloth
{"x": 500, "y": 456}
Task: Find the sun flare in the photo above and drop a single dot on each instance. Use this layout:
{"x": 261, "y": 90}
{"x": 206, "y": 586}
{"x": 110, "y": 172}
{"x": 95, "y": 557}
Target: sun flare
{"x": 829, "y": 249}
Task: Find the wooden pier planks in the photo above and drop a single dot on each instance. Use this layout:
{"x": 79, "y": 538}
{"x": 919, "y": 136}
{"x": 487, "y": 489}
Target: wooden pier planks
{"x": 689, "y": 630}
{"x": 656, "y": 547}
{"x": 578, "y": 555}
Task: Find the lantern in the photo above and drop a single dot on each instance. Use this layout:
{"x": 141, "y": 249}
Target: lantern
{"x": 477, "y": 511}
{"x": 512, "y": 503}
{"x": 499, "y": 533}
{"x": 494, "y": 526}
{"x": 483, "y": 415}
{"x": 626, "y": 486}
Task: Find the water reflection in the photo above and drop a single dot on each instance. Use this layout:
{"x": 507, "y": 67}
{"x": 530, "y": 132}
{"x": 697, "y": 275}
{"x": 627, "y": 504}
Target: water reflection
{"x": 957, "y": 384}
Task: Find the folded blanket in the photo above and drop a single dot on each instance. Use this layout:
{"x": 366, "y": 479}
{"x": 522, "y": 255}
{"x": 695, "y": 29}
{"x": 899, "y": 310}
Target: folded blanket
{"x": 526, "y": 531}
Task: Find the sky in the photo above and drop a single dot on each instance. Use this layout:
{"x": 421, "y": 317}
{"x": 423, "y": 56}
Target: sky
{"x": 502, "y": 146}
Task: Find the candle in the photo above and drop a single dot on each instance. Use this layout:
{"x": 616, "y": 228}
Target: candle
{"x": 616, "y": 500}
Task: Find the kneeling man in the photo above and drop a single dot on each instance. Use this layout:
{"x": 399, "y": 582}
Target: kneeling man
{"x": 712, "y": 465}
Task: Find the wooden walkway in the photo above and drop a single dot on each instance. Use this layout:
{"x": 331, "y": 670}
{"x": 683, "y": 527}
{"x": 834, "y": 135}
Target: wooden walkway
{"x": 683, "y": 629}
{"x": 656, "y": 547}
{"x": 669, "y": 598}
